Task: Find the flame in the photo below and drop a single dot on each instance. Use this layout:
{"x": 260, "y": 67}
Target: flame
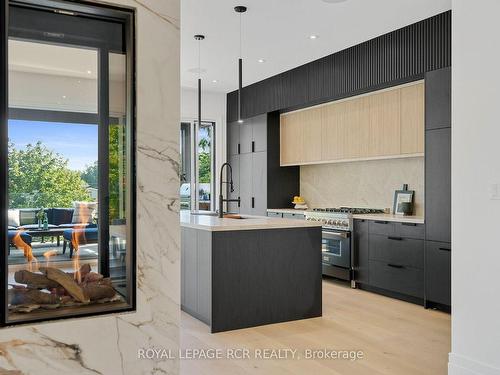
{"x": 47, "y": 255}
{"x": 78, "y": 237}
{"x": 18, "y": 242}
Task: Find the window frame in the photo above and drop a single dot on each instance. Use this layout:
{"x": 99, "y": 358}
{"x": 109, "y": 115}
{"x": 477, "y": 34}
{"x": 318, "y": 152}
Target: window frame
{"x": 126, "y": 17}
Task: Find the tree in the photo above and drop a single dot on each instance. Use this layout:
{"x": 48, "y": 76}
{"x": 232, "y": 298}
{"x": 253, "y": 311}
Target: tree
{"x": 39, "y": 177}
{"x": 89, "y": 175}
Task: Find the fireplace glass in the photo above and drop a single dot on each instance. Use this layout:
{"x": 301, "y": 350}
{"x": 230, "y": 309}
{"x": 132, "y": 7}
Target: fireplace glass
{"x": 70, "y": 162}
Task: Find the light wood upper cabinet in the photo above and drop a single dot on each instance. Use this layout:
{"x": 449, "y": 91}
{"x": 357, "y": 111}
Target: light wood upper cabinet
{"x": 389, "y": 123}
{"x": 412, "y": 119}
{"x": 384, "y": 119}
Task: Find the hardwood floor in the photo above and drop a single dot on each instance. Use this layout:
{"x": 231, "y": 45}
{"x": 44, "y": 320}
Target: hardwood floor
{"x": 396, "y": 338}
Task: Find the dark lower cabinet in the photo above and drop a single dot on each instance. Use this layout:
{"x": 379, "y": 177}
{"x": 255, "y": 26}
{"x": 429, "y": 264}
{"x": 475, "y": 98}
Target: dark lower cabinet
{"x": 388, "y": 258}
{"x": 397, "y": 278}
{"x": 438, "y": 272}
{"x": 361, "y": 252}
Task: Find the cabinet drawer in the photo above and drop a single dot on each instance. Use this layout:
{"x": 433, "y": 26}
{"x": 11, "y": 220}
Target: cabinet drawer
{"x": 387, "y": 228}
{"x": 409, "y": 230}
{"x": 438, "y": 272}
{"x": 397, "y": 250}
{"x": 381, "y": 227}
{"x": 274, "y": 214}
{"x": 409, "y": 281}
{"x": 298, "y": 215}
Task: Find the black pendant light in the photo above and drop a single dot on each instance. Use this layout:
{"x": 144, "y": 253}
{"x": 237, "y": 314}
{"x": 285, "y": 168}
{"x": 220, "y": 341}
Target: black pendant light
{"x": 240, "y": 9}
{"x": 199, "y": 38}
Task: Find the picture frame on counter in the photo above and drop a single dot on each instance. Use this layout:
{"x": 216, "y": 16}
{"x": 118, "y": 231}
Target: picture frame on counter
{"x": 403, "y": 202}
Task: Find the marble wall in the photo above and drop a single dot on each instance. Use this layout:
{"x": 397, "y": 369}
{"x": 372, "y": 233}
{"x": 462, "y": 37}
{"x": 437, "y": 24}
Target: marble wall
{"x": 362, "y": 183}
{"x": 109, "y": 344}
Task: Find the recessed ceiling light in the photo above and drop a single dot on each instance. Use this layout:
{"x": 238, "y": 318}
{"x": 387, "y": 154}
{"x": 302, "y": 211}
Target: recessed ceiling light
{"x": 313, "y": 36}
{"x": 214, "y": 81}
{"x": 79, "y": 81}
{"x": 89, "y": 71}
{"x": 64, "y": 96}
{"x": 261, "y": 60}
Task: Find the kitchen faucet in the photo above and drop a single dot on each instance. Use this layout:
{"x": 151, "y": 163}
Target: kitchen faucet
{"x": 231, "y": 187}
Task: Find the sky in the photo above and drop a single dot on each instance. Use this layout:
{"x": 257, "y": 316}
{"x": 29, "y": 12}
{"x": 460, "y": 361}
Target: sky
{"x": 75, "y": 142}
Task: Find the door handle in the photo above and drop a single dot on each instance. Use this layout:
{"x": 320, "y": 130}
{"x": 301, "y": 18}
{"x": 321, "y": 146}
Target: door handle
{"x": 253, "y": 202}
{"x": 395, "y": 265}
{"x": 239, "y": 202}
{"x": 253, "y": 146}
{"x": 239, "y": 148}
{"x": 394, "y": 238}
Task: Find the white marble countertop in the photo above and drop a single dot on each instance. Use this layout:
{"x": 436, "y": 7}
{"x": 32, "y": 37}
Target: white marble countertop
{"x": 286, "y": 210}
{"x": 392, "y": 217}
{"x": 214, "y": 223}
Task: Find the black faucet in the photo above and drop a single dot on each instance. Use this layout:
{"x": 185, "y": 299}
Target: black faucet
{"x": 231, "y": 187}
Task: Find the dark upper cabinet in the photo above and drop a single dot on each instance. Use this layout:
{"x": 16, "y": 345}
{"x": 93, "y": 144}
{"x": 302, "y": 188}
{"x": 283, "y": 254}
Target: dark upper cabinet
{"x": 438, "y": 185}
{"x": 438, "y": 99}
{"x": 438, "y": 272}
{"x": 361, "y": 256}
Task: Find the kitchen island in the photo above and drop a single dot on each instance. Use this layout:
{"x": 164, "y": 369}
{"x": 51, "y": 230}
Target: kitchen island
{"x": 239, "y": 273}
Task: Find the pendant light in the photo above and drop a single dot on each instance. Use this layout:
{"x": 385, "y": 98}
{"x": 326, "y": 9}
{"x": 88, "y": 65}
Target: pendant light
{"x": 199, "y": 38}
{"x": 240, "y": 9}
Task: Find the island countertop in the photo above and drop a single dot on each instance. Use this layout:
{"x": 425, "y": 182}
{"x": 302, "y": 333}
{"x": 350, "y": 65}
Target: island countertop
{"x": 249, "y": 222}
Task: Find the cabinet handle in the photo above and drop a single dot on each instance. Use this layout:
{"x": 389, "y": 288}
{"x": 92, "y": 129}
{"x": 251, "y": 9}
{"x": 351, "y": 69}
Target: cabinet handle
{"x": 238, "y": 148}
{"x": 380, "y": 222}
{"x": 395, "y": 265}
{"x": 444, "y": 249}
{"x": 239, "y": 202}
{"x": 394, "y": 238}
{"x": 253, "y": 202}
{"x": 253, "y": 146}
{"x": 409, "y": 224}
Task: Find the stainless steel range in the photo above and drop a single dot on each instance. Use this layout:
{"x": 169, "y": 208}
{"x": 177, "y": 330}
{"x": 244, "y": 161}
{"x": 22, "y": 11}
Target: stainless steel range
{"x": 337, "y": 225}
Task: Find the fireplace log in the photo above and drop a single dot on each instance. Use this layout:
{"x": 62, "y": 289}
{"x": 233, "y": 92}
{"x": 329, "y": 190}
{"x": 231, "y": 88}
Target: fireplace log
{"x": 34, "y": 280}
{"x": 95, "y": 292}
{"x": 67, "y": 282}
{"x": 22, "y": 296}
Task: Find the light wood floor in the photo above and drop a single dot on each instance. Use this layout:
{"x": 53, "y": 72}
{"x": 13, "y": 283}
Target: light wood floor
{"x": 396, "y": 337}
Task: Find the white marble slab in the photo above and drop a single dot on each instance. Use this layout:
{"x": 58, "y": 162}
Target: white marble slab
{"x": 109, "y": 344}
{"x": 214, "y": 223}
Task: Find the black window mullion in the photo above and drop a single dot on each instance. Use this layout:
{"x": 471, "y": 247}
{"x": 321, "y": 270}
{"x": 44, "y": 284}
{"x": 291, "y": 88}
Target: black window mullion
{"x": 103, "y": 161}
{"x": 4, "y": 105}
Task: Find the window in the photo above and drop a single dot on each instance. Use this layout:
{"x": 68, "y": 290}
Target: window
{"x": 69, "y": 181}
{"x": 197, "y": 166}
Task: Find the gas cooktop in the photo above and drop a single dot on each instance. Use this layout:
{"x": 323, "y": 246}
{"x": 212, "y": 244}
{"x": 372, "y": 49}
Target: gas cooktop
{"x": 350, "y": 210}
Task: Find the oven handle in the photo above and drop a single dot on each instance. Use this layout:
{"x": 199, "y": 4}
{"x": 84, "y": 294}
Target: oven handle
{"x": 331, "y": 234}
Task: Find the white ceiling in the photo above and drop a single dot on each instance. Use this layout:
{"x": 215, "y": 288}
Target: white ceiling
{"x": 278, "y": 31}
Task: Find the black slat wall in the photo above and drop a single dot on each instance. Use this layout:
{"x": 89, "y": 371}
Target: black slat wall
{"x": 400, "y": 56}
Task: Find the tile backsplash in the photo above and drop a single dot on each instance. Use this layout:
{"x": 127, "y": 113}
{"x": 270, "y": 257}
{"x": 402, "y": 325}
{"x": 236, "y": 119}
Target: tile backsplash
{"x": 362, "y": 183}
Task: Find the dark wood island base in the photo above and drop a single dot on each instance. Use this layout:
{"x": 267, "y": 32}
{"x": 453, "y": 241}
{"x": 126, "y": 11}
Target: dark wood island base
{"x": 245, "y": 278}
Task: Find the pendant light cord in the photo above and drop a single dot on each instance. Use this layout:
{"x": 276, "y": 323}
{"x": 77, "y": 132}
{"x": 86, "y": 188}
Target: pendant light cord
{"x": 199, "y": 58}
{"x": 241, "y": 32}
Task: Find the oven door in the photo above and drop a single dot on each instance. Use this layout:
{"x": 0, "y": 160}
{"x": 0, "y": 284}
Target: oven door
{"x": 336, "y": 248}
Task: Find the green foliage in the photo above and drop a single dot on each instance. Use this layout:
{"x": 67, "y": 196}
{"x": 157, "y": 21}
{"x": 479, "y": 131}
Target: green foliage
{"x": 89, "y": 175}
{"x": 117, "y": 176}
{"x": 204, "y": 160}
{"x": 39, "y": 177}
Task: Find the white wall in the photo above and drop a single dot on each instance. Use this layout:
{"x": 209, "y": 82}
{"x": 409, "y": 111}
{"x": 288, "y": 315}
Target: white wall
{"x": 213, "y": 108}
{"x": 109, "y": 344}
{"x": 475, "y": 167}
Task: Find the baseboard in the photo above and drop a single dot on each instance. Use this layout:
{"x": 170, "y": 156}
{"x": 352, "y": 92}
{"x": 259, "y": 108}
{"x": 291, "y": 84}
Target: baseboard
{"x": 460, "y": 365}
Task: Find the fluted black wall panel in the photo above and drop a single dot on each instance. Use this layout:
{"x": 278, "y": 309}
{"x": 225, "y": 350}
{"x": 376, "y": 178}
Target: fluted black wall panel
{"x": 400, "y": 56}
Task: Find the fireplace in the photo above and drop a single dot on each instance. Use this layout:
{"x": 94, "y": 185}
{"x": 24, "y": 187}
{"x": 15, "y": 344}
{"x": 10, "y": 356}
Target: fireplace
{"x": 68, "y": 165}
